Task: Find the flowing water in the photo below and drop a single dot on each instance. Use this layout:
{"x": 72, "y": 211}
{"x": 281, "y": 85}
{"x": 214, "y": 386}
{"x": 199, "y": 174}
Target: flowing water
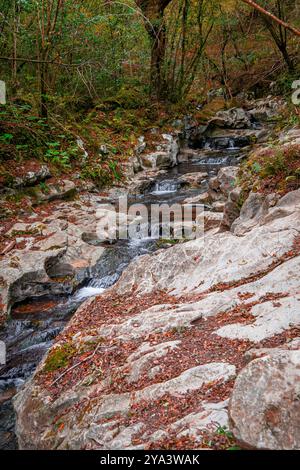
{"x": 35, "y": 323}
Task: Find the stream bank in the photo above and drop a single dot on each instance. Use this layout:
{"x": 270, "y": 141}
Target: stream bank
{"x": 36, "y": 322}
{"x": 29, "y": 339}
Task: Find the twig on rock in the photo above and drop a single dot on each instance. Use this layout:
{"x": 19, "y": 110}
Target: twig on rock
{"x": 76, "y": 365}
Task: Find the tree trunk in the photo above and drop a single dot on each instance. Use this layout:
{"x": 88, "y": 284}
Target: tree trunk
{"x": 280, "y": 36}
{"x": 158, "y": 39}
{"x": 153, "y": 12}
{"x": 15, "y": 47}
{"x": 287, "y": 57}
{"x": 43, "y": 91}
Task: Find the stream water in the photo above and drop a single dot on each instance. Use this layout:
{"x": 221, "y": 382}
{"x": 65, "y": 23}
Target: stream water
{"x": 34, "y": 324}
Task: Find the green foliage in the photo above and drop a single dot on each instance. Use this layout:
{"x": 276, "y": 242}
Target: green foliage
{"x": 59, "y": 357}
{"x": 102, "y": 173}
{"x": 6, "y": 138}
{"x": 107, "y": 40}
{"x": 57, "y": 156}
{"x": 273, "y": 165}
{"x": 113, "y": 166}
{"x": 44, "y": 187}
{"x": 34, "y": 137}
{"x": 284, "y": 82}
{"x": 129, "y": 98}
{"x": 277, "y": 169}
{"x": 221, "y": 439}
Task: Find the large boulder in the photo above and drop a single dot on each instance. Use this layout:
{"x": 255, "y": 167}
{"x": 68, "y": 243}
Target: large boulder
{"x": 32, "y": 177}
{"x": 63, "y": 189}
{"x": 264, "y": 407}
{"x": 232, "y": 208}
{"x": 260, "y": 209}
{"x": 266, "y": 108}
{"x": 193, "y": 179}
{"x": 227, "y": 179}
{"x": 164, "y": 156}
{"x": 27, "y": 175}
{"x": 234, "y": 118}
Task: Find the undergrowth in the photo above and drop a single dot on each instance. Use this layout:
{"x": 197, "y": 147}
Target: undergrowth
{"x": 275, "y": 169}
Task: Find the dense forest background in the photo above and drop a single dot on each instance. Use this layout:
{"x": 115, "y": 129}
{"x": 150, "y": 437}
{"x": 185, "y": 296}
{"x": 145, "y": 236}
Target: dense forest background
{"x": 101, "y": 68}
{"x": 76, "y": 51}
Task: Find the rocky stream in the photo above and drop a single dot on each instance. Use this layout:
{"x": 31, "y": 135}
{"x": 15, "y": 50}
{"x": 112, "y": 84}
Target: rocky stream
{"x": 41, "y": 300}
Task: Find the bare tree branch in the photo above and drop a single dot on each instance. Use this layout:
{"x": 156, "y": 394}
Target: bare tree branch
{"x": 273, "y": 17}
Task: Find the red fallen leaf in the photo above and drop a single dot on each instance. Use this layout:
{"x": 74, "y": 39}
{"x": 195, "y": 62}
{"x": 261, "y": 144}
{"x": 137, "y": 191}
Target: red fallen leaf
{"x": 61, "y": 426}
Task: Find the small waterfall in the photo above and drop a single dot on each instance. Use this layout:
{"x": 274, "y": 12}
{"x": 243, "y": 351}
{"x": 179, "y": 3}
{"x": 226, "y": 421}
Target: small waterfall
{"x": 165, "y": 187}
{"x": 96, "y": 287}
{"x": 87, "y": 292}
{"x": 232, "y": 145}
{"x": 213, "y": 161}
{"x": 207, "y": 145}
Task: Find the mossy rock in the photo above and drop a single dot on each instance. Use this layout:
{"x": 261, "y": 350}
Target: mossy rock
{"x": 59, "y": 357}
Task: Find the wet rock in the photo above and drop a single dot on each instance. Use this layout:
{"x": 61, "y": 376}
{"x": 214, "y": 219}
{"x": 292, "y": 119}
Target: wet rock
{"x": 229, "y": 142}
{"x": 187, "y": 154}
{"x": 55, "y": 258}
{"x": 8, "y": 439}
{"x": 156, "y": 160}
{"x": 196, "y": 267}
{"x": 23, "y": 275}
{"x": 193, "y": 179}
{"x": 175, "y": 270}
{"x": 165, "y": 155}
{"x": 264, "y": 407}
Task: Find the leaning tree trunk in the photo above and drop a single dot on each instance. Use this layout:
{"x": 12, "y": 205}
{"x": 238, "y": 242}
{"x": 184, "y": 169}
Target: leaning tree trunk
{"x": 269, "y": 15}
{"x": 153, "y": 12}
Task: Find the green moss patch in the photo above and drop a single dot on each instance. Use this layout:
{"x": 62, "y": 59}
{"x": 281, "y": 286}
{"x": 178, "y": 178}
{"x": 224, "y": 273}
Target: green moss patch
{"x": 59, "y": 357}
